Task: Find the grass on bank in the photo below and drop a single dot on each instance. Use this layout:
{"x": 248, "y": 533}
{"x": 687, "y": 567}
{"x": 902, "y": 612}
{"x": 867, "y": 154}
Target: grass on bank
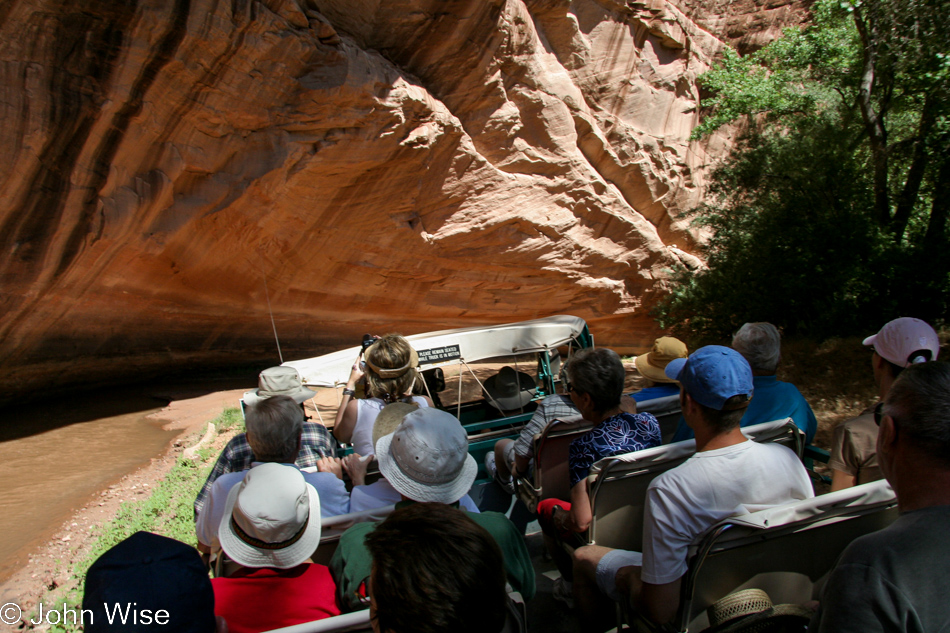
{"x": 167, "y": 511}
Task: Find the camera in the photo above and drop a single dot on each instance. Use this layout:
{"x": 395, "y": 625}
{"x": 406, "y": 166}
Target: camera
{"x": 368, "y": 339}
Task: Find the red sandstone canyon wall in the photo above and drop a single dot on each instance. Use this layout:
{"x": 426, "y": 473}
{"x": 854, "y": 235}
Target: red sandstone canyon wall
{"x": 403, "y": 165}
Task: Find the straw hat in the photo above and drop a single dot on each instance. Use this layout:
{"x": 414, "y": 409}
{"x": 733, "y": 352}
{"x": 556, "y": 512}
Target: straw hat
{"x": 751, "y": 611}
{"x": 390, "y": 417}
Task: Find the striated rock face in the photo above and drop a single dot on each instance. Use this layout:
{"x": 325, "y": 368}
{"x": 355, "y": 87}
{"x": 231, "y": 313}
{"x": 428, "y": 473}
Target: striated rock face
{"x": 407, "y": 165}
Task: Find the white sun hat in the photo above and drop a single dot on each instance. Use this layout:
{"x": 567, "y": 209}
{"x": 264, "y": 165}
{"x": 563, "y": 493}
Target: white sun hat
{"x": 426, "y": 458}
{"x": 271, "y": 519}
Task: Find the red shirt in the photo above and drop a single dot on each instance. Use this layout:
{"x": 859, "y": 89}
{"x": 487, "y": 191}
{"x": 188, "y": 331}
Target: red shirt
{"x": 255, "y": 600}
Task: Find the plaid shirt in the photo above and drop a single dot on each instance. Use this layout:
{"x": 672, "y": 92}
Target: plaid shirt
{"x": 315, "y": 443}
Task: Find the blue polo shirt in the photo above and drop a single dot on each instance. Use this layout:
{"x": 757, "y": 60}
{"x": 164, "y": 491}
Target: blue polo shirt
{"x": 659, "y": 390}
{"x": 772, "y": 399}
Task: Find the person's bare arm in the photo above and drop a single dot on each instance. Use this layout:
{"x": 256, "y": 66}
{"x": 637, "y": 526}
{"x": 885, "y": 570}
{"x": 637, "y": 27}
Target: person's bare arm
{"x": 345, "y": 421}
{"x": 841, "y": 480}
{"x": 580, "y": 516}
{"x": 346, "y": 415}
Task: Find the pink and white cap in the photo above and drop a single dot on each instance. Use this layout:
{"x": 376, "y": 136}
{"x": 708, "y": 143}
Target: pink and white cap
{"x": 899, "y": 339}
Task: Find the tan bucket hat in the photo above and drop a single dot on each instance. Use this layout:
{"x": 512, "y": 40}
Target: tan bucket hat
{"x": 665, "y": 349}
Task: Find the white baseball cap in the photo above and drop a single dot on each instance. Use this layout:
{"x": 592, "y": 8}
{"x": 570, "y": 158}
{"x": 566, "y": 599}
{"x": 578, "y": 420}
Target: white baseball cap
{"x": 905, "y": 342}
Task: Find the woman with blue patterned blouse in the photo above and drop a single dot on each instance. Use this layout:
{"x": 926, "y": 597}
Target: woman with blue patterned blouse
{"x": 595, "y": 384}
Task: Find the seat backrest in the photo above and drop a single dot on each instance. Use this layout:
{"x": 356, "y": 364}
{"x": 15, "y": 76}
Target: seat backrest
{"x": 356, "y": 621}
{"x": 782, "y": 550}
{"x": 667, "y": 411}
{"x": 332, "y": 528}
{"x": 618, "y": 484}
{"x": 551, "y": 479}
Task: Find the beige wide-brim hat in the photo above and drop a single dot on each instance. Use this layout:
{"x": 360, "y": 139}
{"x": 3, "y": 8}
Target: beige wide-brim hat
{"x": 747, "y": 610}
{"x": 279, "y": 381}
{"x": 271, "y": 518}
{"x": 426, "y": 458}
{"x": 665, "y": 349}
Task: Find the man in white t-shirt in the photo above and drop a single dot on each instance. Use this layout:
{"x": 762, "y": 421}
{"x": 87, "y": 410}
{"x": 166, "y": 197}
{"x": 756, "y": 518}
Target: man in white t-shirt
{"x": 728, "y": 475}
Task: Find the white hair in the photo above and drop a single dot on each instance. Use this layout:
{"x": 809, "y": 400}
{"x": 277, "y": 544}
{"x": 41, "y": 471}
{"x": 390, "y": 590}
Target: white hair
{"x": 760, "y": 344}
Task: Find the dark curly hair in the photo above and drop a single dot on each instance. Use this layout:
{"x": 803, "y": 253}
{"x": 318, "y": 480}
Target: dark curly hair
{"x": 436, "y": 570}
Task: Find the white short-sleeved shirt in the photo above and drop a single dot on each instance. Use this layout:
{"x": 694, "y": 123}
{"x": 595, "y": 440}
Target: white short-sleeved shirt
{"x": 367, "y": 410}
{"x": 709, "y": 487}
{"x": 381, "y": 493}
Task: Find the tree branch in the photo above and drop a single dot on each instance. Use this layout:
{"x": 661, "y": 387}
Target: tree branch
{"x": 873, "y": 121}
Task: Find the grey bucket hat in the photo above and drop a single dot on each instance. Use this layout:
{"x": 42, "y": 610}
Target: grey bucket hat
{"x": 426, "y": 458}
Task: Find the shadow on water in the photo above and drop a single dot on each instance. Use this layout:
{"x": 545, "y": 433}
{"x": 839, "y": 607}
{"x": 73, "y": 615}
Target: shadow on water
{"x": 46, "y": 413}
{"x": 57, "y": 452}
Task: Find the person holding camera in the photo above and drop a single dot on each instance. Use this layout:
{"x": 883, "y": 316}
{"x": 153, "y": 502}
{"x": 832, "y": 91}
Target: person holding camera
{"x": 390, "y": 372}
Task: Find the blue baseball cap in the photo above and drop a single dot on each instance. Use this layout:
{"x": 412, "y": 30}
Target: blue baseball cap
{"x": 713, "y": 374}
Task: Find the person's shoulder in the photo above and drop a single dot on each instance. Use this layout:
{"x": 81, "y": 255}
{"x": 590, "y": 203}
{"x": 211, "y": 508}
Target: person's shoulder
{"x": 774, "y": 451}
{"x": 870, "y": 549}
{"x": 556, "y": 401}
{"x": 858, "y": 424}
{"x": 228, "y": 480}
{"x": 313, "y": 427}
{"x": 494, "y": 522}
{"x": 357, "y": 532}
{"x": 790, "y": 389}
{"x": 236, "y": 442}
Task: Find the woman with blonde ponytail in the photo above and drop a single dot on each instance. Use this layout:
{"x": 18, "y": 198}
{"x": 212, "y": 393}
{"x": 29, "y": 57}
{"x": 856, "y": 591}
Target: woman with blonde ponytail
{"x": 390, "y": 373}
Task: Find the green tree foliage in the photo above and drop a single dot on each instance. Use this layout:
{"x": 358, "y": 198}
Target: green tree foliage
{"x": 830, "y": 215}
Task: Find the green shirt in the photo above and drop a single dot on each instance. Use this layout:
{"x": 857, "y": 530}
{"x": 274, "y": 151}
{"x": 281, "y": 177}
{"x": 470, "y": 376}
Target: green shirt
{"x": 351, "y": 563}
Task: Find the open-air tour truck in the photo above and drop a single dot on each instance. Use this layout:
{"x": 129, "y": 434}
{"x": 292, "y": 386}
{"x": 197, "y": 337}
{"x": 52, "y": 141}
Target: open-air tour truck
{"x": 456, "y": 363}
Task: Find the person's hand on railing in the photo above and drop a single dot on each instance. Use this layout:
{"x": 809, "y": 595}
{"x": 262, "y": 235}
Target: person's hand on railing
{"x": 330, "y": 465}
{"x": 355, "y": 466}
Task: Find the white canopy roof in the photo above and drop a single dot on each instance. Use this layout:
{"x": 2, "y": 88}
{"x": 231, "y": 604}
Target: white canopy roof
{"x": 452, "y": 346}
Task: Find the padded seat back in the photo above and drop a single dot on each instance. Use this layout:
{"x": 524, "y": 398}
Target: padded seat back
{"x": 551, "y": 478}
{"x": 782, "y": 550}
{"x": 618, "y": 484}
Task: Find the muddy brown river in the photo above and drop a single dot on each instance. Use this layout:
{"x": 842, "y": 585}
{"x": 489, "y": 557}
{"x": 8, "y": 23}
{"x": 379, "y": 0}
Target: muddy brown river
{"x": 54, "y": 456}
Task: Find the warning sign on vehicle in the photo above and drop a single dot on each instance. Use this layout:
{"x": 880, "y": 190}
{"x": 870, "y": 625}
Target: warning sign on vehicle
{"x": 439, "y": 354}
